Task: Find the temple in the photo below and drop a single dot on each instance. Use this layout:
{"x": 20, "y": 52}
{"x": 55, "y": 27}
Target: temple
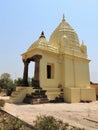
{"x": 61, "y": 65}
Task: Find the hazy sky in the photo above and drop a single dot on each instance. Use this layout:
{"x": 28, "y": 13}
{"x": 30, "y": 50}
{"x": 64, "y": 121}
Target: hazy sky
{"x": 21, "y": 22}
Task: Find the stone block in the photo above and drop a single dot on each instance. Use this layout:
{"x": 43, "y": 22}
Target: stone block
{"x": 72, "y": 95}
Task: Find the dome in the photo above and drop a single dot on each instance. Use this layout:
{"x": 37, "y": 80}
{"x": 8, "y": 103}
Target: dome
{"x": 66, "y": 31}
{"x": 42, "y": 40}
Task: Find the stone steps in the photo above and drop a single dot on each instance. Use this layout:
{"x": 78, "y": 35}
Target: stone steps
{"x": 19, "y": 95}
{"x": 36, "y": 97}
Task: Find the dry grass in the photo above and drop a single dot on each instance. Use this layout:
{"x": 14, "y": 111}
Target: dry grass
{"x": 7, "y": 122}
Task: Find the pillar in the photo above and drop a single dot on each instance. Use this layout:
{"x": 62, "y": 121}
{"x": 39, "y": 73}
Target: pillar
{"x": 25, "y": 74}
{"x": 36, "y": 81}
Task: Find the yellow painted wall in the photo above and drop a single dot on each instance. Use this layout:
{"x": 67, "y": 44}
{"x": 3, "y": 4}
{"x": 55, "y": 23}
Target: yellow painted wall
{"x": 69, "y": 73}
{"x": 56, "y": 80}
{"x": 67, "y": 95}
{"x": 75, "y": 95}
{"x": 82, "y": 79}
{"x": 76, "y": 73}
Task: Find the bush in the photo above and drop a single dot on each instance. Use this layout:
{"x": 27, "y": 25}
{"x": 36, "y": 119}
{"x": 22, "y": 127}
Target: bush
{"x": 2, "y": 103}
{"x": 50, "y": 123}
{"x": 14, "y": 125}
{"x": 10, "y": 88}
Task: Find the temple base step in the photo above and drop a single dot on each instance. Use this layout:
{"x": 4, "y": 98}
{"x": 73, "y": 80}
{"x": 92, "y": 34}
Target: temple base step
{"x": 54, "y": 93}
{"x": 19, "y": 95}
{"x": 36, "y": 97}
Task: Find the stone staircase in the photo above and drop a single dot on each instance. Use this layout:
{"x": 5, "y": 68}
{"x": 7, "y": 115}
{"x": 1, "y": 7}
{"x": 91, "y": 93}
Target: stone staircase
{"x": 19, "y": 95}
{"x": 36, "y": 96}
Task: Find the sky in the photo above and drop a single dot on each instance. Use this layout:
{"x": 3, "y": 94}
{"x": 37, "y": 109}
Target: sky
{"x": 22, "y": 21}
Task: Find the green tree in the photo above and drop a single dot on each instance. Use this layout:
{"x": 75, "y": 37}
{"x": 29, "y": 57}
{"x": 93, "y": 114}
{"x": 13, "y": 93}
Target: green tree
{"x": 18, "y": 82}
{"x": 5, "y": 78}
{"x": 7, "y": 83}
{"x": 10, "y": 87}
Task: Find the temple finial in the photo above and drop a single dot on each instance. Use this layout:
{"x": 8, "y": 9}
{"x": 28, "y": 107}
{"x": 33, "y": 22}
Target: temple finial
{"x": 63, "y": 18}
{"x": 42, "y": 35}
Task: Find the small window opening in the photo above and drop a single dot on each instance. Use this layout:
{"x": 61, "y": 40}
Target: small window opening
{"x": 49, "y": 71}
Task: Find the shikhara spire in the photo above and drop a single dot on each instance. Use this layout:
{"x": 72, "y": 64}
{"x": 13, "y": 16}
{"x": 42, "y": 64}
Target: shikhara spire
{"x": 42, "y": 34}
{"x": 63, "y": 19}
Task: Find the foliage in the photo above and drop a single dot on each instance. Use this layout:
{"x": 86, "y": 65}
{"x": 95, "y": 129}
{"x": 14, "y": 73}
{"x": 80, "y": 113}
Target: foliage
{"x": 50, "y": 123}
{"x": 5, "y": 76}
{"x": 10, "y": 88}
{"x": 30, "y": 81}
{"x": 7, "y": 83}
{"x": 2, "y": 103}
{"x": 13, "y": 125}
{"x": 5, "y": 79}
{"x": 18, "y": 82}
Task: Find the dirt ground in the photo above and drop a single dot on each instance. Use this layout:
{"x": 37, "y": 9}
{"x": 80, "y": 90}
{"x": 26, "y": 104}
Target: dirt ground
{"x": 84, "y": 115}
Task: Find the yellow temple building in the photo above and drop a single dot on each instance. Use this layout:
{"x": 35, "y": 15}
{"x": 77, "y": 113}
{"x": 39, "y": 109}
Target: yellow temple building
{"x": 61, "y": 65}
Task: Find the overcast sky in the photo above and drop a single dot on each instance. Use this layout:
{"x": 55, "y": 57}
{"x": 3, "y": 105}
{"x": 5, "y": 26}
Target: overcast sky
{"x": 21, "y": 22}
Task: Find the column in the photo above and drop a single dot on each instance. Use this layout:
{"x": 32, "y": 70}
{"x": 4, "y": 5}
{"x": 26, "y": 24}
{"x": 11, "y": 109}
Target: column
{"x": 25, "y": 74}
{"x": 36, "y": 81}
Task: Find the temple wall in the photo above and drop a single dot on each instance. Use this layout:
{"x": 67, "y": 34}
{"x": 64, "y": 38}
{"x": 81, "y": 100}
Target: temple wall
{"x": 82, "y": 79}
{"x": 56, "y": 71}
{"x": 76, "y": 73}
{"x": 69, "y": 73}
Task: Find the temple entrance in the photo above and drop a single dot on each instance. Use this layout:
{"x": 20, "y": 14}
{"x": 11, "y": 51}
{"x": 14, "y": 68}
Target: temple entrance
{"x": 36, "y": 59}
{"x": 39, "y": 95}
